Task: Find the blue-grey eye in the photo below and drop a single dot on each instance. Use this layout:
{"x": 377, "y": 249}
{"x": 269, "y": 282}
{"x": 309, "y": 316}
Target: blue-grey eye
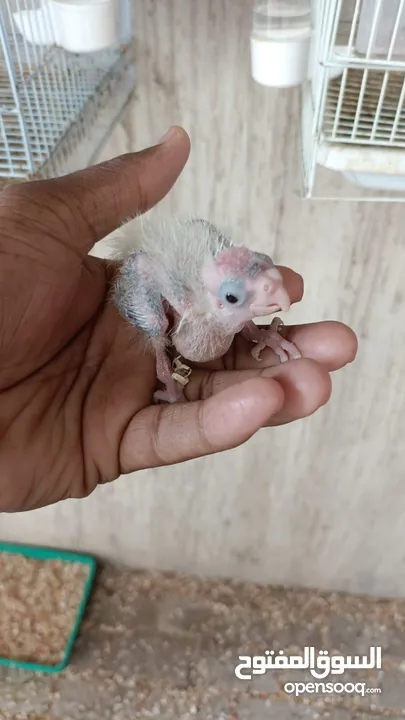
{"x": 232, "y": 292}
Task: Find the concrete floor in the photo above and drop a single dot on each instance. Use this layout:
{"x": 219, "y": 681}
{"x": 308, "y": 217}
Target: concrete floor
{"x": 166, "y": 646}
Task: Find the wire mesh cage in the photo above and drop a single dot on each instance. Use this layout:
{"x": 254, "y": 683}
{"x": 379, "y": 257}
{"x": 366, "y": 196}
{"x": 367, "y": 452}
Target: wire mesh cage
{"x": 66, "y": 74}
{"x": 352, "y": 109}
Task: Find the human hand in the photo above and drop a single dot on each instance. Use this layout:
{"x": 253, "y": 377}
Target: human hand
{"x": 76, "y": 386}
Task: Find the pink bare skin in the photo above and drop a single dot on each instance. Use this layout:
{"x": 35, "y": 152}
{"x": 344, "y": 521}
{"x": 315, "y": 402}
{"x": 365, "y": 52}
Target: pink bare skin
{"x": 76, "y": 389}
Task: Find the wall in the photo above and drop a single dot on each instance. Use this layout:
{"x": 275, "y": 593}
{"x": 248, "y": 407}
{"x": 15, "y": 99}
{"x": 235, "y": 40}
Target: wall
{"x": 319, "y": 503}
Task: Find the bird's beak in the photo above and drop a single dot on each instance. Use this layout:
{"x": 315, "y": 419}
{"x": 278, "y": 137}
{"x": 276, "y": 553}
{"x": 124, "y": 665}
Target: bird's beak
{"x": 280, "y": 301}
{"x": 282, "y": 298}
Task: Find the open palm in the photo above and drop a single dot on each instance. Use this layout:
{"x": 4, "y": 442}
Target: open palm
{"x": 76, "y": 385}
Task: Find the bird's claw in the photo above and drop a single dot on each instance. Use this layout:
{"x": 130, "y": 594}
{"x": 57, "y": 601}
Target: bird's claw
{"x": 169, "y": 396}
{"x": 175, "y": 383}
{"x": 271, "y": 338}
{"x": 257, "y": 349}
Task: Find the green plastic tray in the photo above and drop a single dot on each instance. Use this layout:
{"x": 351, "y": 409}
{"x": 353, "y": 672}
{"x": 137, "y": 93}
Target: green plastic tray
{"x": 41, "y": 553}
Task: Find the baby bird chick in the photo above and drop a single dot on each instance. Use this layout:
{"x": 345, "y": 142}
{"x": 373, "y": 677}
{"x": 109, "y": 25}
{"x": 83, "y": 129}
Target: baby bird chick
{"x": 184, "y": 283}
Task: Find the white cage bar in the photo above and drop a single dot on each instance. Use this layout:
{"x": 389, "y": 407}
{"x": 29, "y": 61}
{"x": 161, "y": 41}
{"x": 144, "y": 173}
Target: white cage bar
{"x": 56, "y": 106}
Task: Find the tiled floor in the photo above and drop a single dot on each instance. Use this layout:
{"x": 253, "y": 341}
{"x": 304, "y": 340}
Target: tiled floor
{"x": 166, "y": 646}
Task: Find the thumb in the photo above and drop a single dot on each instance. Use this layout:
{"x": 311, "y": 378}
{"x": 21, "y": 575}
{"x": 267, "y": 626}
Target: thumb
{"x": 91, "y": 203}
{"x": 169, "y": 434}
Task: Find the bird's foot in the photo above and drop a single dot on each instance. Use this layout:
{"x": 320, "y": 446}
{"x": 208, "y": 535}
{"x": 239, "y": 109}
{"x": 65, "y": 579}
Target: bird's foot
{"x": 173, "y": 377}
{"x": 271, "y": 338}
{"x": 178, "y": 380}
{"x": 170, "y": 395}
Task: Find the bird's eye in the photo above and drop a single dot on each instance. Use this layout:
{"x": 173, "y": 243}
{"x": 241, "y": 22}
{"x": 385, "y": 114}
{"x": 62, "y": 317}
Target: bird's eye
{"x": 233, "y": 292}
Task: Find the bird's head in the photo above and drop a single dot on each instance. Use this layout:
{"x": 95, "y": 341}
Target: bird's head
{"x": 243, "y": 284}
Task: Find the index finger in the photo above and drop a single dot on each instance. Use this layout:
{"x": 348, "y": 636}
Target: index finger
{"x": 293, "y": 283}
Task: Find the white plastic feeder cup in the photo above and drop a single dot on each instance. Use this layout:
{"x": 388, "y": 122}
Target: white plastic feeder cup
{"x": 280, "y": 63}
{"x": 86, "y": 26}
{"x": 281, "y": 42}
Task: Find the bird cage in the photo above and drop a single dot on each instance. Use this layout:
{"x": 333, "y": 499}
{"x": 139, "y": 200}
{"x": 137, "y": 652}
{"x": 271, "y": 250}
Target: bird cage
{"x": 348, "y": 57}
{"x": 66, "y": 74}
{"x": 352, "y": 104}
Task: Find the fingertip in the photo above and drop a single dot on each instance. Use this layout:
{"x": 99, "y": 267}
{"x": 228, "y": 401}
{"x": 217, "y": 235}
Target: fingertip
{"x": 176, "y": 135}
{"x": 293, "y": 282}
{"x": 307, "y": 386}
{"x": 330, "y": 342}
{"x": 235, "y": 414}
{"x": 345, "y": 343}
{"x": 351, "y": 342}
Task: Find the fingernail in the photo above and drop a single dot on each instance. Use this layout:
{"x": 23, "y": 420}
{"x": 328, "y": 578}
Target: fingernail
{"x": 168, "y": 134}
